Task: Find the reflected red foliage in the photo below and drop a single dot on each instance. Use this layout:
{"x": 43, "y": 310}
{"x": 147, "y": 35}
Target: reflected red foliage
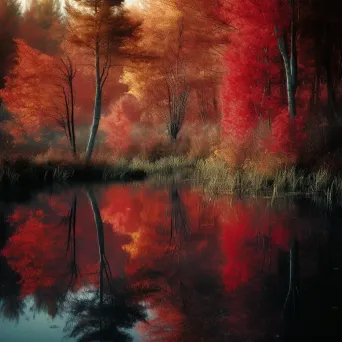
{"x": 39, "y": 249}
{"x": 209, "y": 259}
{"x": 250, "y": 239}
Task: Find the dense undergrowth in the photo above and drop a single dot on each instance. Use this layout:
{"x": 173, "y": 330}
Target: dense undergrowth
{"x": 289, "y": 180}
{"x": 29, "y": 172}
{"x": 212, "y": 174}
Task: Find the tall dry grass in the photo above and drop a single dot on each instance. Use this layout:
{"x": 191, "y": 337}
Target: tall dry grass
{"x": 215, "y": 176}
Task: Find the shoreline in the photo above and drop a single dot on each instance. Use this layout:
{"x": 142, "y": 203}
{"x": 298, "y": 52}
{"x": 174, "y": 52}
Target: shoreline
{"x": 213, "y": 176}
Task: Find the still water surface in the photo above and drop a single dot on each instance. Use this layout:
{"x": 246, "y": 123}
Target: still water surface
{"x": 136, "y": 263}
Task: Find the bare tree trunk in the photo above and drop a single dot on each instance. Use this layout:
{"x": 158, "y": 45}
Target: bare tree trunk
{"x": 97, "y": 107}
{"x": 74, "y": 148}
{"x": 293, "y": 60}
{"x": 178, "y": 91}
{"x": 68, "y": 127}
{"x": 283, "y": 92}
{"x": 291, "y": 98}
{"x": 290, "y": 63}
{"x": 95, "y": 123}
{"x": 67, "y": 120}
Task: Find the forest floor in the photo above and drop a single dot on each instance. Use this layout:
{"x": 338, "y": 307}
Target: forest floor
{"x": 212, "y": 175}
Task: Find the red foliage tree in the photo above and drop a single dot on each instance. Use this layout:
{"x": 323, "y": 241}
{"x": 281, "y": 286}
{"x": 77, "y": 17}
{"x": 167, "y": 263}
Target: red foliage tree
{"x": 118, "y": 124}
{"x": 245, "y": 232}
{"x": 37, "y": 111}
{"x": 99, "y": 29}
{"x": 255, "y": 88}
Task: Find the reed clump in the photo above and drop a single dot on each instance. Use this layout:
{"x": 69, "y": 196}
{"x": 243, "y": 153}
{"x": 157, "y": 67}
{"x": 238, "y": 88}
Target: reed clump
{"x": 217, "y": 177}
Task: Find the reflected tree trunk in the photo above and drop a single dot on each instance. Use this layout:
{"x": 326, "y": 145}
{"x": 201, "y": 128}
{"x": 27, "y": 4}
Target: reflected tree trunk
{"x": 179, "y": 227}
{"x": 71, "y": 244}
{"x": 291, "y": 305}
{"x": 100, "y": 240}
{"x": 113, "y": 310}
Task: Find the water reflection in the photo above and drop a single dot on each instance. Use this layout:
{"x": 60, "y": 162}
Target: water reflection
{"x": 123, "y": 263}
{"x": 179, "y": 227}
{"x": 103, "y": 314}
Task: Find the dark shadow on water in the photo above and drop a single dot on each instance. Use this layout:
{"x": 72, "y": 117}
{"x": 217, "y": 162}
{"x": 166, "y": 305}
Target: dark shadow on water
{"x": 11, "y": 305}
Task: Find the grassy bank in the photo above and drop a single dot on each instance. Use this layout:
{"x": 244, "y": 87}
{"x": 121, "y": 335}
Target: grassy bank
{"x": 25, "y": 173}
{"x": 216, "y": 177}
{"x": 213, "y": 175}
{"x": 30, "y": 172}
{"x": 288, "y": 180}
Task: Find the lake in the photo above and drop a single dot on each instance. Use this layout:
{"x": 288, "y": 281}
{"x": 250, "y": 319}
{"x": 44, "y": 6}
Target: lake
{"x": 168, "y": 263}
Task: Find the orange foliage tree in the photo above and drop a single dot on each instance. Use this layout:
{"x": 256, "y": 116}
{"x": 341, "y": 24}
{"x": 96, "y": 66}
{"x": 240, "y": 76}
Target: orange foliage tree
{"x": 98, "y": 29}
{"x": 173, "y": 238}
{"x": 52, "y": 106}
{"x": 180, "y": 83}
{"x": 125, "y": 134}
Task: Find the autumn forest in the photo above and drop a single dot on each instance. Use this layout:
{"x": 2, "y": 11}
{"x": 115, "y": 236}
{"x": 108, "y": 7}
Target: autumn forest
{"x": 253, "y": 83}
{"x": 170, "y": 170}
